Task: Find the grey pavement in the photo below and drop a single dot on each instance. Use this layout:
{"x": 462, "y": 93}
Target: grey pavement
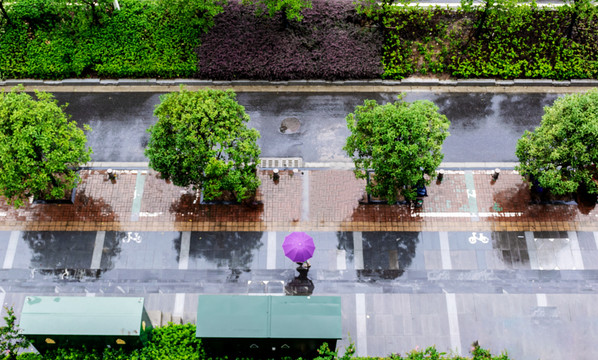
{"x": 531, "y": 293}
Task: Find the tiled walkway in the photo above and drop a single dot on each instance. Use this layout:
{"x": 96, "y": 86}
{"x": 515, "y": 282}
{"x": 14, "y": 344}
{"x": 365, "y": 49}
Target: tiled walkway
{"x": 321, "y": 200}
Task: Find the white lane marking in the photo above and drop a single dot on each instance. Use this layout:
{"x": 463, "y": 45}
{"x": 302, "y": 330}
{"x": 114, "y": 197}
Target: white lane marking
{"x": 541, "y": 300}
{"x": 271, "y": 251}
{"x": 531, "y": 249}
{"x": 90, "y": 294}
{"x": 360, "y": 322}
{"x": 11, "y": 250}
{"x": 575, "y": 251}
{"x": 341, "y": 260}
{"x": 358, "y": 250}
{"x": 2, "y": 297}
{"x": 179, "y": 305}
{"x": 453, "y": 320}
{"x": 445, "y": 252}
{"x": 596, "y": 238}
{"x": 98, "y": 249}
{"x": 184, "y": 254}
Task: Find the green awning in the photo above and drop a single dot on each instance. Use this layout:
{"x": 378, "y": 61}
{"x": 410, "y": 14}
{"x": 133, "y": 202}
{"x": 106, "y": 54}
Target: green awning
{"x": 99, "y": 316}
{"x": 282, "y": 317}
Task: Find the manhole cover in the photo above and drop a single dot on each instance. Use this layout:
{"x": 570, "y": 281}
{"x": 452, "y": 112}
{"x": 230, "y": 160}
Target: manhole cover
{"x": 290, "y": 125}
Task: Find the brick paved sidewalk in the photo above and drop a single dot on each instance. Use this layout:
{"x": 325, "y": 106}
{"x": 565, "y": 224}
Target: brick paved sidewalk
{"x": 326, "y": 200}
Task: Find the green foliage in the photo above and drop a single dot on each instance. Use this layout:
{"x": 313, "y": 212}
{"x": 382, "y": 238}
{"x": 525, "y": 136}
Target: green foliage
{"x": 40, "y": 149}
{"x": 55, "y": 39}
{"x": 201, "y": 139}
{"x": 11, "y": 339}
{"x": 399, "y": 141}
{"x": 288, "y": 9}
{"x": 178, "y": 342}
{"x": 173, "y": 342}
{"x": 504, "y": 39}
{"x": 325, "y": 353}
{"x": 562, "y": 153}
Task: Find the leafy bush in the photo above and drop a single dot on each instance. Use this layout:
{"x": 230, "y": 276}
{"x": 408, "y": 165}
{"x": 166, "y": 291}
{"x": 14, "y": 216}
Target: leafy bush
{"x": 144, "y": 39}
{"x": 329, "y": 43}
{"x": 509, "y": 41}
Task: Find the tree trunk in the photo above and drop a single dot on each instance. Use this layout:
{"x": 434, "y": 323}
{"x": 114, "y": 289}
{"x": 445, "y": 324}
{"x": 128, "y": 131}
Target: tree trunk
{"x": 283, "y": 18}
{"x": 4, "y": 13}
{"x": 94, "y": 15}
{"x": 482, "y": 22}
{"x": 574, "y": 18}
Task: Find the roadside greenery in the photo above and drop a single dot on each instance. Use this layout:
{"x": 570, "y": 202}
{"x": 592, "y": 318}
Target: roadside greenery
{"x": 57, "y": 39}
{"x": 562, "y": 153}
{"x": 178, "y": 342}
{"x": 40, "y": 149}
{"x": 201, "y": 139}
{"x": 400, "y": 142}
{"x": 334, "y": 40}
{"x": 500, "y": 39}
{"x": 11, "y": 339}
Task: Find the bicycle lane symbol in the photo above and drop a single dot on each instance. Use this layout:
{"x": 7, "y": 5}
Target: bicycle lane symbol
{"x": 475, "y": 238}
{"x": 132, "y": 237}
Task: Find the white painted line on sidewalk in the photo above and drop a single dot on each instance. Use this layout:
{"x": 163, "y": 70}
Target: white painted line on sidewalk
{"x": 305, "y": 196}
{"x": 445, "y": 251}
{"x": 11, "y": 250}
{"x": 358, "y": 250}
{"x": 453, "y": 321}
{"x": 575, "y": 250}
{"x": 541, "y": 300}
{"x": 271, "y": 251}
{"x": 467, "y": 214}
{"x": 179, "y": 305}
{"x": 138, "y": 195}
{"x": 184, "y": 254}
{"x": 98, "y": 249}
{"x": 341, "y": 260}
{"x": 360, "y": 323}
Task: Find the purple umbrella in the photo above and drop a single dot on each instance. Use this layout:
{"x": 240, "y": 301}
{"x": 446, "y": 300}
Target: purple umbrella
{"x": 298, "y": 246}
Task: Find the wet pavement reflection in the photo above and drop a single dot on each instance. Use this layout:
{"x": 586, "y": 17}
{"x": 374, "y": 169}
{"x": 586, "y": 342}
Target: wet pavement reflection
{"x": 339, "y": 256}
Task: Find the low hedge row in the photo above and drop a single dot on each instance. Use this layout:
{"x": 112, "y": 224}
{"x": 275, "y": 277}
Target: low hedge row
{"x": 519, "y": 41}
{"x": 178, "y": 342}
{"x": 146, "y": 38}
{"x": 45, "y": 41}
{"x": 329, "y": 43}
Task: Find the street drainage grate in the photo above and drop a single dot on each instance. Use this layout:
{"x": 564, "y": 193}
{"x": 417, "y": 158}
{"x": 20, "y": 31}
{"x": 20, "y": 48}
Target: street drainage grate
{"x": 284, "y": 163}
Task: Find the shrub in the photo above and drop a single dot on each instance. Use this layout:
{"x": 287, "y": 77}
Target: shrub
{"x": 328, "y": 43}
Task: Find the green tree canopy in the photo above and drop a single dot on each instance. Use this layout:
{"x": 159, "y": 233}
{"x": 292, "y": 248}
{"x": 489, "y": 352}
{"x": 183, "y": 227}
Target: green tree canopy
{"x": 399, "y": 141}
{"x": 40, "y": 149}
{"x": 201, "y": 139}
{"x": 562, "y": 152}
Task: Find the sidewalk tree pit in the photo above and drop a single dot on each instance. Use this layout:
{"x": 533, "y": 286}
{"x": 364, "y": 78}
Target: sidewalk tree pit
{"x": 561, "y": 154}
{"x": 400, "y": 142}
{"x": 202, "y": 140}
{"x": 40, "y": 149}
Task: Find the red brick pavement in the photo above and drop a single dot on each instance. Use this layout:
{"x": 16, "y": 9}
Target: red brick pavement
{"x": 309, "y": 200}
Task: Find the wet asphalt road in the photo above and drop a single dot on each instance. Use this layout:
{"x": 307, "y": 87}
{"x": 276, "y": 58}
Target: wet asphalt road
{"x": 484, "y": 127}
